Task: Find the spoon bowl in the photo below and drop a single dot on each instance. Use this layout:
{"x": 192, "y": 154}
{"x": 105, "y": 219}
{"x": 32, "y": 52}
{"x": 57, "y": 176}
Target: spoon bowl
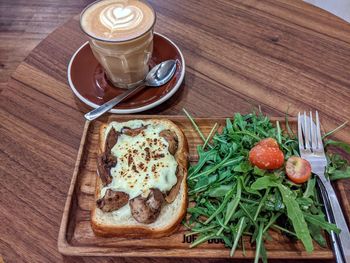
{"x": 161, "y": 73}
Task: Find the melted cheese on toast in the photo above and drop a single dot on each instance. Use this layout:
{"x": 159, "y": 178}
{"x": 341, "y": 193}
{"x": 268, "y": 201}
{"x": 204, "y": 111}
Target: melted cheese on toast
{"x": 143, "y": 161}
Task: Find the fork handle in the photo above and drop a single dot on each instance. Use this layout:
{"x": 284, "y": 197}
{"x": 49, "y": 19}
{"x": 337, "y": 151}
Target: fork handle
{"x": 339, "y": 219}
{"x": 330, "y": 218}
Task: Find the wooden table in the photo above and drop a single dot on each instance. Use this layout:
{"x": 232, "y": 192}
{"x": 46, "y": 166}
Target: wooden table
{"x": 281, "y": 55}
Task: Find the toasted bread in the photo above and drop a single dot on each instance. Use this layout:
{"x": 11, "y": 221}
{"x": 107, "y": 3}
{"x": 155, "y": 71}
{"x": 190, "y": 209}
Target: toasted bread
{"x": 110, "y": 224}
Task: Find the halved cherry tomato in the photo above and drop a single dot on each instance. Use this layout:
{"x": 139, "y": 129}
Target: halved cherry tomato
{"x": 266, "y": 158}
{"x": 269, "y": 142}
{"x": 298, "y": 170}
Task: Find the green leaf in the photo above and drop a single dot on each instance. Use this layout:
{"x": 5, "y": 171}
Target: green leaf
{"x": 278, "y": 131}
{"x": 258, "y": 171}
{"x": 232, "y": 162}
{"x": 319, "y": 220}
{"x": 195, "y": 125}
{"x": 243, "y": 167}
{"x": 262, "y": 202}
{"x": 212, "y": 169}
{"x": 250, "y": 209}
{"x": 249, "y": 190}
{"x": 340, "y": 174}
{"x": 274, "y": 202}
{"x": 247, "y": 213}
{"x": 296, "y": 216}
{"x": 259, "y": 241}
{"x": 210, "y": 135}
{"x": 289, "y": 130}
{"x": 229, "y": 125}
{"x": 204, "y": 157}
{"x": 238, "y": 120}
{"x": 202, "y": 183}
{"x": 310, "y": 188}
{"x": 263, "y": 253}
{"x": 342, "y": 145}
{"x": 249, "y": 134}
{"x": 220, "y": 190}
{"x": 221, "y": 207}
{"x": 197, "y": 211}
{"x": 202, "y": 238}
{"x": 316, "y": 233}
{"x": 335, "y": 130}
{"x": 227, "y": 240}
{"x": 305, "y": 203}
{"x": 264, "y": 182}
{"x": 241, "y": 225}
{"x": 272, "y": 220}
{"x": 232, "y": 205}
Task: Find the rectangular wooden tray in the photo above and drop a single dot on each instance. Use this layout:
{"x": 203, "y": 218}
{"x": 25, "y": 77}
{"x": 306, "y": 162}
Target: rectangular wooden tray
{"x": 76, "y": 237}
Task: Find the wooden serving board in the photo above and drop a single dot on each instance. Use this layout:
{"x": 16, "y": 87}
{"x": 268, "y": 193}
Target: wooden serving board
{"x": 77, "y": 238}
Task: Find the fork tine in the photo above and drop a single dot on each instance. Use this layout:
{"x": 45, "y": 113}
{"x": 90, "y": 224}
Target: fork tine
{"x": 300, "y": 135}
{"x": 313, "y": 135}
{"x": 318, "y": 133}
{"x": 306, "y": 132}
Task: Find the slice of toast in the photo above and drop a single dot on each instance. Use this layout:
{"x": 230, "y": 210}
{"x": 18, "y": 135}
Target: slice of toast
{"x": 120, "y": 222}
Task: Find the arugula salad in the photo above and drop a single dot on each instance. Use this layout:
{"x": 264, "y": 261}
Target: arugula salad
{"x": 236, "y": 194}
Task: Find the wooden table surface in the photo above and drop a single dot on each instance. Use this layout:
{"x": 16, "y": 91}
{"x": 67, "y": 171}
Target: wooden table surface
{"x": 23, "y": 24}
{"x": 240, "y": 54}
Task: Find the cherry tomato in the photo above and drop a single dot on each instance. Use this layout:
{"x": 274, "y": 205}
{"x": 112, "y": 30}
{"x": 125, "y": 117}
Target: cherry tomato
{"x": 266, "y": 158}
{"x": 269, "y": 142}
{"x": 298, "y": 170}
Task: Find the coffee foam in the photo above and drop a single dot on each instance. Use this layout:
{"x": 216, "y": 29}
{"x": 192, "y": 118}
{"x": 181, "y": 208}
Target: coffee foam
{"x": 118, "y": 17}
{"x": 117, "y": 20}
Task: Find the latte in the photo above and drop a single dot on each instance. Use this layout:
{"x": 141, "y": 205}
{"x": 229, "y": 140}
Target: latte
{"x": 121, "y": 38}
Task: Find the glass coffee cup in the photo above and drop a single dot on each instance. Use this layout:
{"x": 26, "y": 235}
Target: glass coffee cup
{"x": 121, "y": 38}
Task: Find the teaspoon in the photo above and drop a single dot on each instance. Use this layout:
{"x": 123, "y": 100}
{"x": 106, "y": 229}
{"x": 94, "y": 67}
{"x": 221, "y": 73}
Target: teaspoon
{"x": 158, "y": 76}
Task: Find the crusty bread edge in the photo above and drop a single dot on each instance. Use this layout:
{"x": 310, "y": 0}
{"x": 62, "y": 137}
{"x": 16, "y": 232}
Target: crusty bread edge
{"x": 144, "y": 231}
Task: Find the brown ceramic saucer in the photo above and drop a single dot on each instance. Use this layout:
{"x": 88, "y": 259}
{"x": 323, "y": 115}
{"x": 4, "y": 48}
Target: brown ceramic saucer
{"x": 89, "y": 83}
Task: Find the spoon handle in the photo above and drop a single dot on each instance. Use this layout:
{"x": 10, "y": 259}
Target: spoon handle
{"x": 110, "y": 104}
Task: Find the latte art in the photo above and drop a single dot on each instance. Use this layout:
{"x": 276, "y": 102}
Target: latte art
{"x": 119, "y": 17}
{"x": 117, "y": 20}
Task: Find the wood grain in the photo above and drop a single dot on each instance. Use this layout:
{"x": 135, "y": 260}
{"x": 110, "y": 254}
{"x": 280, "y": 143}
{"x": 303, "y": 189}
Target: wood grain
{"x": 239, "y": 55}
{"x": 77, "y": 238}
{"x": 23, "y": 24}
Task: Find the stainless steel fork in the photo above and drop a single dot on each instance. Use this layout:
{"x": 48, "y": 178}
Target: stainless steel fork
{"x": 311, "y": 149}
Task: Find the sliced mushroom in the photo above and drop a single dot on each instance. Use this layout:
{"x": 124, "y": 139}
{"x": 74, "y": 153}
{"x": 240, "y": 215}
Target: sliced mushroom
{"x": 112, "y": 200}
{"x": 155, "y": 199}
{"x": 104, "y": 164}
{"x": 146, "y": 210}
{"x": 106, "y": 160}
{"x": 133, "y": 132}
{"x": 172, "y": 140}
{"x": 111, "y": 140}
{"x": 174, "y": 191}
